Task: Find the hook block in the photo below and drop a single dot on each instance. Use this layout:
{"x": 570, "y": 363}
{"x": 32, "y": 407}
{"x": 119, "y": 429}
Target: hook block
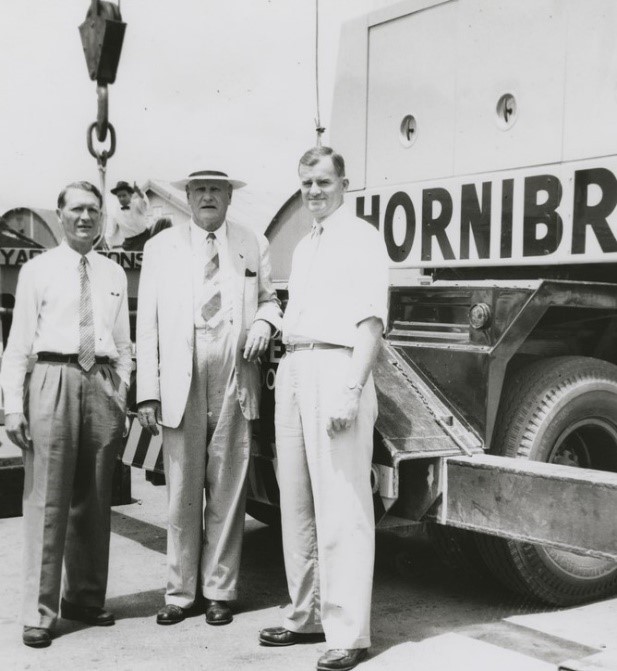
{"x": 102, "y": 35}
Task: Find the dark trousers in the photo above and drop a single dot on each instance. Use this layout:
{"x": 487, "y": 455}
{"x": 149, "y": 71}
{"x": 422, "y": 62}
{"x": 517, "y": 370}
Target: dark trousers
{"x": 76, "y": 422}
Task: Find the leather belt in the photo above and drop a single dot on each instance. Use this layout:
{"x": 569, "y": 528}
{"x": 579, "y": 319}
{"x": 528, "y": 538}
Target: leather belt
{"x": 298, "y": 346}
{"x": 54, "y": 357}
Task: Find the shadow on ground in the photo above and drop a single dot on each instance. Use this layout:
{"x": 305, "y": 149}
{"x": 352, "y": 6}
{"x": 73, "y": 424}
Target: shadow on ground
{"x": 415, "y": 595}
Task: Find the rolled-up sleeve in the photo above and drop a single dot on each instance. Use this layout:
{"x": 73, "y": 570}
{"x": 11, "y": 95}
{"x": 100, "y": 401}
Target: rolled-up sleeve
{"x": 371, "y": 287}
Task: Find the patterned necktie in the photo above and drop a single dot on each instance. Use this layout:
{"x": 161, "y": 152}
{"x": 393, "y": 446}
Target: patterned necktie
{"x": 85, "y": 356}
{"x": 211, "y": 305}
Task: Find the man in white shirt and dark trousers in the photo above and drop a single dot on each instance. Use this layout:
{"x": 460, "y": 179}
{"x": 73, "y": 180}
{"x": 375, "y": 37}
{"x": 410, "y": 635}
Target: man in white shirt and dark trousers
{"x": 68, "y": 416}
{"x": 325, "y": 411}
{"x": 127, "y": 227}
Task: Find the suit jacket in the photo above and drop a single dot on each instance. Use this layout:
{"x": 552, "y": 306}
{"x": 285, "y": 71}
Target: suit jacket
{"x": 165, "y": 317}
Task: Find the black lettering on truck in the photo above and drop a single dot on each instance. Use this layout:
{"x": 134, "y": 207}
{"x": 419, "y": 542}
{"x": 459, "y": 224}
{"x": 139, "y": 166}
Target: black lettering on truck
{"x": 544, "y": 212}
{"x": 399, "y": 252}
{"x": 373, "y": 216}
{"x": 593, "y": 215}
{"x": 476, "y": 218}
{"x": 436, "y": 227}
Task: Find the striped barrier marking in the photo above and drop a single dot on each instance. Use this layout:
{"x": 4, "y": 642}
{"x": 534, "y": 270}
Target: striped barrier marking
{"x": 142, "y": 449}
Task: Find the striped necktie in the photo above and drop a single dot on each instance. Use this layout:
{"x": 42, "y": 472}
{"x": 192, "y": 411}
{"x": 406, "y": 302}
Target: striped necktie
{"x": 85, "y": 356}
{"x": 316, "y": 230}
{"x": 211, "y": 305}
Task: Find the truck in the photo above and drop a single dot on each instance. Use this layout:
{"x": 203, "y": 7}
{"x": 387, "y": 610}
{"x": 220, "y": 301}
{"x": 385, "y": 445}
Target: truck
{"x": 479, "y": 139}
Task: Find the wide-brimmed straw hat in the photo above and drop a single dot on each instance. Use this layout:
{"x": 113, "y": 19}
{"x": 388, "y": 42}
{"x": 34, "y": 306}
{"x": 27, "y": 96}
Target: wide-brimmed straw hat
{"x": 215, "y": 175}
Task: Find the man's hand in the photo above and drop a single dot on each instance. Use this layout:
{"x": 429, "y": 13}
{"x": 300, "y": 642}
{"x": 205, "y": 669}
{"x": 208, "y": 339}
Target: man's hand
{"x": 257, "y": 340}
{"x": 345, "y": 411}
{"x": 149, "y": 416}
{"x": 137, "y": 190}
{"x": 17, "y": 430}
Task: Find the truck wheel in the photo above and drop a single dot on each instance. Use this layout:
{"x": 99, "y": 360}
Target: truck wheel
{"x": 564, "y": 411}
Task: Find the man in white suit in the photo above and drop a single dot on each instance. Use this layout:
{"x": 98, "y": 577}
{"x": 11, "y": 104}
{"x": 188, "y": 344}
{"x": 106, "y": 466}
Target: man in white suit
{"x": 207, "y": 310}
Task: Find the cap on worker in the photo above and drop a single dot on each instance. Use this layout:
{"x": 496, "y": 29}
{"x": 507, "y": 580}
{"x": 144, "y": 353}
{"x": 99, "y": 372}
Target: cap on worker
{"x": 122, "y": 186}
{"x": 210, "y": 175}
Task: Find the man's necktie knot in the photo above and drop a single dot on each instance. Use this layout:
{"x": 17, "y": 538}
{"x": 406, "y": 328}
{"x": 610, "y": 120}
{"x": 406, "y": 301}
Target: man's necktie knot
{"x": 125, "y": 207}
{"x": 316, "y": 230}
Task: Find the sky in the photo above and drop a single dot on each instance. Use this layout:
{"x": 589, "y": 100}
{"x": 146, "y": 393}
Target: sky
{"x": 200, "y": 85}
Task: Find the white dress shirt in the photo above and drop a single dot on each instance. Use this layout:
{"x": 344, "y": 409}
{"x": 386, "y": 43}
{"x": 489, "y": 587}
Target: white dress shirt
{"x": 199, "y": 255}
{"x": 46, "y": 315}
{"x": 122, "y": 224}
{"x": 338, "y": 279}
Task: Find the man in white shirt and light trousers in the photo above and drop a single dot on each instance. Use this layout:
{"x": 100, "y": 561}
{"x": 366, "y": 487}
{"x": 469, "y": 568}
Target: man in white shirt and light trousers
{"x": 71, "y": 311}
{"x": 325, "y": 411}
{"x": 207, "y": 309}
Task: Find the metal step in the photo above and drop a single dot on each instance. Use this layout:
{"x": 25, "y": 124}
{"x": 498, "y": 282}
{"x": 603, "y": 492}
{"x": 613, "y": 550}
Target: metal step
{"x": 413, "y": 422}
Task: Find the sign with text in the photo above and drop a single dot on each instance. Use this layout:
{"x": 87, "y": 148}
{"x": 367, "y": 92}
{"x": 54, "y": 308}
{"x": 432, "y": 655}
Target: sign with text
{"x": 555, "y": 214}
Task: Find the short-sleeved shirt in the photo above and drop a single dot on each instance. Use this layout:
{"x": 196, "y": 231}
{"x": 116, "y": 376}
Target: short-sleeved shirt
{"x": 338, "y": 279}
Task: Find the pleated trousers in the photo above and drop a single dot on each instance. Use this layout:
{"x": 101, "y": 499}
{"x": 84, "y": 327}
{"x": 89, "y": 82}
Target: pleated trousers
{"x": 326, "y": 499}
{"x": 76, "y": 423}
{"x": 208, "y": 453}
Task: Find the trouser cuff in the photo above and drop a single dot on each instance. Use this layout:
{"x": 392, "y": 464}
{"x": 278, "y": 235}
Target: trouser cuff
{"x": 221, "y": 594}
{"x": 178, "y": 601}
{"x": 347, "y": 644}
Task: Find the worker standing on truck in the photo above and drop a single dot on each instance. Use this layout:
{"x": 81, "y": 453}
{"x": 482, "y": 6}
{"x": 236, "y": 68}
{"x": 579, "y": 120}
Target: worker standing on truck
{"x": 207, "y": 309}
{"x": 325, "y": 411}
{"x": 127, "y": 226}
{"x": 71, "y": 311}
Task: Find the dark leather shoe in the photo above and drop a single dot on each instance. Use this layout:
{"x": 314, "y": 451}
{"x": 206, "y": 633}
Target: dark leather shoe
{"x": 341, "y": 660}
{"x": 36, "y": 637}
{"x": 279, "y": 636}
{"x": 98, "y": 617}
{"x": 170, "y": 614}
{"x": 218, "y": 612}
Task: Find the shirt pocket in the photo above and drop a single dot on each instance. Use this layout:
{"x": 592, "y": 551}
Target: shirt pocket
{"x": 111, "y": 300}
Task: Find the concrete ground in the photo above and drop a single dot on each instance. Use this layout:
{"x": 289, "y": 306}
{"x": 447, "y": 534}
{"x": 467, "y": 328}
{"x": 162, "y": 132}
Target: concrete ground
{"x": 425, "y": 617}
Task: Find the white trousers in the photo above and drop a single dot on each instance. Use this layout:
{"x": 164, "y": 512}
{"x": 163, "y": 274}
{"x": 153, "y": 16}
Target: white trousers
{"x": 209, "y": 450}
{"x": 326, "y": 499}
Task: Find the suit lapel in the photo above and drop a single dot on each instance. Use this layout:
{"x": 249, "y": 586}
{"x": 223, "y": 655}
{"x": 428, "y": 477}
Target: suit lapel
{"x": 237, "y": 254}
{"x": 179, "y": 256}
